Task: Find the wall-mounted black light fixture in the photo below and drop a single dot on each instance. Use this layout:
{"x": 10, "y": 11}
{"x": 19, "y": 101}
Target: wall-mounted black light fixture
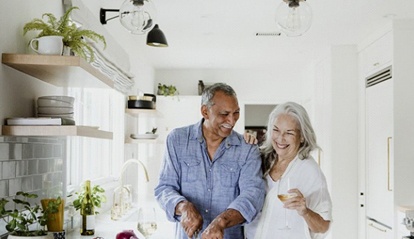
{"x": 138, "y": 17}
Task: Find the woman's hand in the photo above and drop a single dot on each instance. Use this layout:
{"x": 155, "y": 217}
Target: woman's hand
{"x": 314, "y": 221}
{"x": 249, "y": 138}
{"x": 297, "y": 203}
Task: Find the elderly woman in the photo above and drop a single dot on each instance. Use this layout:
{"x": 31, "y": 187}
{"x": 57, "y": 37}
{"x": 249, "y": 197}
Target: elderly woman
{"x": 286, "y": 160}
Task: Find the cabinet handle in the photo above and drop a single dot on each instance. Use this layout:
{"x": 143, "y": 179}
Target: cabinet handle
{"x": 389, "y": 163}
{"x": 379, "y": 229}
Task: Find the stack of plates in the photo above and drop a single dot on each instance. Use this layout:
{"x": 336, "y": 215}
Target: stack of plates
{"x": 55, "y": 106}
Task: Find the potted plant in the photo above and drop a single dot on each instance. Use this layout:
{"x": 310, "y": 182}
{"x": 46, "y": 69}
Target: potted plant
{"x": 165, "y": 90}
{"x": 73, "y": 36}
{"x": 97, "y": 194}
{"x": 24, "y": 215}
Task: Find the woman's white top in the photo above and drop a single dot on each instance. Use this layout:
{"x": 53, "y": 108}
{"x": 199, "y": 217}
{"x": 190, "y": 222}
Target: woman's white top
{"x": 306, "y": 176}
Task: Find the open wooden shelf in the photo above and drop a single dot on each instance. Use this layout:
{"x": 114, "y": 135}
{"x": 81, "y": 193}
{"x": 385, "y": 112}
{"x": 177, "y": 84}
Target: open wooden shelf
{"x": 64, "y": 71}
{"x": 129, "y": 140}
{"x": 61, "y": 130}
{"x": 136, "y": 112}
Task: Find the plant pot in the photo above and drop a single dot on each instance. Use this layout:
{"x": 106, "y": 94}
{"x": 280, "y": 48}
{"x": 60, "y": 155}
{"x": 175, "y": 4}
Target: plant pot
{"x": 54, "y": 220}
{"x": 67, "y": 51}
{"x": 26, "y": 237}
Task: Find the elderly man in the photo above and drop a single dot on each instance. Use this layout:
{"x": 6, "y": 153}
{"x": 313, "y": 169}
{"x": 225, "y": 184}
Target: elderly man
{"x": 211, "y": 181}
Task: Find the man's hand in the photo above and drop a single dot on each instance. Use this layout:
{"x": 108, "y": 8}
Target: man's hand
{"x": 191, "y": 219}
{"x": 214, "y": 230}
{"x": 226, "y": 219}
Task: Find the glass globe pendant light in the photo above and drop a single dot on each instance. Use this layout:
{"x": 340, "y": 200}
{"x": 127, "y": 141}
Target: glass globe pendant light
{"x": 294, "y": 17}
{"x": 137, "y": 16}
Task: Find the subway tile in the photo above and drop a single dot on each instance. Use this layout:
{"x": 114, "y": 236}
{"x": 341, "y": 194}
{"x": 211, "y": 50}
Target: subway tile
{"x": 37, "y": 151}
{"x": 8, "y": 170}
{"x": 43, "y": 166}
{"x": 22, "y": 168}
{"x": 10, "y": 139}
{"x": 15, "y": 151}
{"x": 33, "y": 166}
{"x": 47, "y": 150}
{"x": 1, "y": 139}
{"x": 24, "y": 139}
{"x": 4, "y": 151}
{"x": 38, "y": 182}
{"x": 27, "y": 184}
{"x": 57, "y": 165}
{"x": 57, "y": 178}
{"x": 15, "y": 185}
{"x": 57, "y": 150}
{"x": 4, "y": 188}
{"x": 27, "y": 151}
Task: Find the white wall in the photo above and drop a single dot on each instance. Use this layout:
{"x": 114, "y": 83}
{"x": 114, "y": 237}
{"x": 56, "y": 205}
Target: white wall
{"x": 249, "y": 84}
{"x": 344, "y": 141}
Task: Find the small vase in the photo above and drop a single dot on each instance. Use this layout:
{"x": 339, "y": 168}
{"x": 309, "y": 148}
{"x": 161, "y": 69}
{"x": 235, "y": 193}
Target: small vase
{"x": 54, "y": 220}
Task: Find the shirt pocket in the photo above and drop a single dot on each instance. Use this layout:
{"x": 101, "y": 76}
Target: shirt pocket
{"x": 191, "y": 170}
{"x": 229, "y": 174}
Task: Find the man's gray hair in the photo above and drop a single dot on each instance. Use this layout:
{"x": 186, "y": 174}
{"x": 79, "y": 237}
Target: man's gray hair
{"x": 210, "y": 91}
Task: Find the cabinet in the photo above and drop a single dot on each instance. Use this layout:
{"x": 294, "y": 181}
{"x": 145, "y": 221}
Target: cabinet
{"x": 378, "y": 231}
{"x": 64, "y": 71}
{"x": 379, "y": 152}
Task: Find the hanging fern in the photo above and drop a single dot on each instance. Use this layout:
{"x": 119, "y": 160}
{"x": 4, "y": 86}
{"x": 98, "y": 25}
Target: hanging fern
{"x": 73, "y": 36}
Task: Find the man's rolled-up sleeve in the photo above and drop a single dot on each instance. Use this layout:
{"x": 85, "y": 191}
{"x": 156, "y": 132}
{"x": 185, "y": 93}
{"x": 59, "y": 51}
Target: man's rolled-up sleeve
{"x": 167, "y": 191}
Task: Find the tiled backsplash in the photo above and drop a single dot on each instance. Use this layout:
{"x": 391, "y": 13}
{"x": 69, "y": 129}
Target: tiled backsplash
{"x": 32, "y": 164}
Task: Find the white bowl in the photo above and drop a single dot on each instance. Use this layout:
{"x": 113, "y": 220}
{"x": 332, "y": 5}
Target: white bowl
{"x": 67, "y": 116}
{"x": 68, "y": 99}
{"x": 55, "y": 110}
{"x": 53, "y": 103}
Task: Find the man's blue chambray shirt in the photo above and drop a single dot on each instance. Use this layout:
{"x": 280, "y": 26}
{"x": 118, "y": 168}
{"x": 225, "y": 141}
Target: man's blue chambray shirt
{"x": 233, "y": 179}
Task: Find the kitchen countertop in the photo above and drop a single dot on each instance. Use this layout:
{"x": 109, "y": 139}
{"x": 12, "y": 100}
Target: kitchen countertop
{"x": 108, "y": 229}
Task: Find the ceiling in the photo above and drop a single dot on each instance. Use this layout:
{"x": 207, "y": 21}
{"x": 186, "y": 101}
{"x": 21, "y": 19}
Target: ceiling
{"x": 217, "y": 34}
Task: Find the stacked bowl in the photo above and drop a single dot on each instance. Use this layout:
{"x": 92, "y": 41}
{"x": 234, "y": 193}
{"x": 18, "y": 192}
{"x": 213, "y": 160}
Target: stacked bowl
{"x": 55, "y": 107}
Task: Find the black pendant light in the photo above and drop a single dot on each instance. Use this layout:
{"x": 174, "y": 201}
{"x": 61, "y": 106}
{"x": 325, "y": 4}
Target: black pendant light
{"x": 156, "y": 37}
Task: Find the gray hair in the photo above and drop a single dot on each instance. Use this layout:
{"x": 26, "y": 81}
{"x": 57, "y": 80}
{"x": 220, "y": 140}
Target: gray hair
{"x": 305, "y": 128}
{"x": 209, "y": 92}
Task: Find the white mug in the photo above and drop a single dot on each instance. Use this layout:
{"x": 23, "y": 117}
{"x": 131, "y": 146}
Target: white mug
{"x": 48, "y": 45}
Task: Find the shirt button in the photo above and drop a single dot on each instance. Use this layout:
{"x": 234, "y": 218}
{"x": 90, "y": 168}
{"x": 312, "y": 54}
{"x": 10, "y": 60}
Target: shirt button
{"x": 206, "y": 210}
{"x": 209, "y": 190}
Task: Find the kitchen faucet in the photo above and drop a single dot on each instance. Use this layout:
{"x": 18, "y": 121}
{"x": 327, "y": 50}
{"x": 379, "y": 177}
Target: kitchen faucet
{"x": 122, "y": 194}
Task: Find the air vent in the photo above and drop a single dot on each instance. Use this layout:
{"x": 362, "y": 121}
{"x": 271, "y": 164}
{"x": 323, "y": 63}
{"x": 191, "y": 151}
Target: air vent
{"x": 379, "y": 77}
{"x": 267, "y": 34}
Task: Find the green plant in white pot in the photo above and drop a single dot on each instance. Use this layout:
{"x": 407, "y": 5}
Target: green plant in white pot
{"x": 74, "y": 37}
{"x": 23, "y": 216}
